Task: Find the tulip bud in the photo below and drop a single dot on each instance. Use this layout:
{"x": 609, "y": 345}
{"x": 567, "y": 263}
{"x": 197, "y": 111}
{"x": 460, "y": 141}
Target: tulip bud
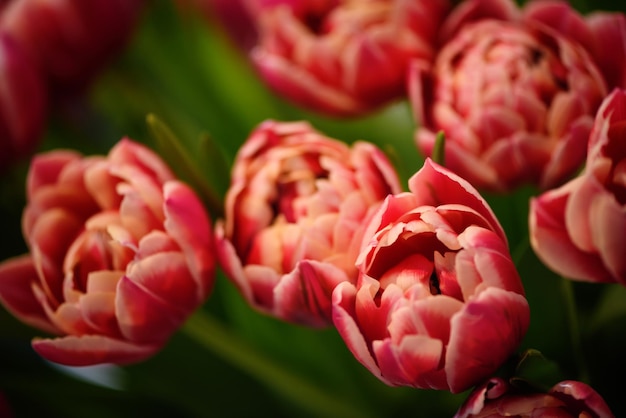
{"x": 579, "y": 229}
{"x": 294, "y": 217}
{"x": 438, "y": 303}
{"x": 343, "y": 58}
{"x": 496, "y": 398}
{"x": 515, "y": 90}
{"x": 120, "y": 254}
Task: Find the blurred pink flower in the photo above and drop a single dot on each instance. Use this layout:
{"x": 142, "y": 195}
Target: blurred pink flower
{"x": 294, "y": 217}
{"x": 23, "y": 103}
{"x": 343, "y": 57}
{"x": 438, "y": 303}
{"x": 579, "y": 229}
{"x": 70, "y": 39}
{"x": 5, "y": 407}
{"x": 120, "y": 254}
{"x": 496, "y": 398}
{"x": 232, "y": 15}
{"x": 515, "y": 90}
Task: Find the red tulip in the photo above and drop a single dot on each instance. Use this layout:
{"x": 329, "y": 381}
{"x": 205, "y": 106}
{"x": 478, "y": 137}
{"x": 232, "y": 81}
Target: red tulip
{"x": 70, "y": 39}
{"x": 438, "y": 303}
{"x": 23, "y": 103}
{"x": 294, "y": 217}
{"x": 579, "y": 229}
{"x": 343, "y": 58}
{"x": 515, "y": 90}
{"x": 496, "y": 398}
{"x": 120, "y": 255}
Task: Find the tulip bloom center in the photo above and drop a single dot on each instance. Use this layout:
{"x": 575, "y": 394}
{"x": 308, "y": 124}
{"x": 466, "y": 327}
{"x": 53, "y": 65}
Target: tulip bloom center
{"x": 511, "y": 56}
{"x": 297, "y": 180}
{"x": 95, "y": 251}
{"x": 416, "y": 268}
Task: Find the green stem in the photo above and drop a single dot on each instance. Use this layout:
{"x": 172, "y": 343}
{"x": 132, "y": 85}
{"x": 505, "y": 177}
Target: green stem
{"x": 520, "y": 250}
{"x": 439, "y": 150}
{"x": 212, "y": 335}
{"x": 567, "y": 290}
{"x": 173, "y": 150}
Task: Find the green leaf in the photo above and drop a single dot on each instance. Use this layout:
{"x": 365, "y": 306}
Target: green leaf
{"x": 177, "y": 156}
{"x": 439, "y": 151}
{"x": 537, "y": 371}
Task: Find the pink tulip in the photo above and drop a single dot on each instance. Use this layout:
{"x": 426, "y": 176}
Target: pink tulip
{"x": 70, "y": 39}
{"x": 341, "y": 57}
{"x": 579, "y": 229}
{"x": 496, "y": 398}
{"x": 515, "y": 90}
{"x": 438, "y": 303}
{"x": 294, "y": 217}
{"x": 23, "y": 103}
{"x": 120, "y": 255}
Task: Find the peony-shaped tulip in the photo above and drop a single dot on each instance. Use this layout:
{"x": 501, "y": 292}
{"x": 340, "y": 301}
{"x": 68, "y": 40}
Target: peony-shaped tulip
{"x": 70, "y": 40}
{"x": 294, "y": 217}
{"x": 120, "y": 254}
{"x": 515, "y": 90}
{"x": 579, "y": 229}
{"x": 343, "y": 57}
{"x": 496, "y": 398}
{"x": 438, "y": 303}
{"x": 23, "y": 103}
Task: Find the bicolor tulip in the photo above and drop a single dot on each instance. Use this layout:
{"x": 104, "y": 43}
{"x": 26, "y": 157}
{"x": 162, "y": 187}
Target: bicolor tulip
{"x": 515, "y": 90}
{"x": 70, "y": 40}
{"x": 438, "y": 303}
{"x": 294, "y": 217}
{"x": 343, "y": 58}
{"x": 567, "y": 399}
{"x": 579, "y": 229}
{"x": 120, "y": 254}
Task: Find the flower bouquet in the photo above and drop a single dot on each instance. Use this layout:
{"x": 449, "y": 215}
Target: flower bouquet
{"x": 324, "y": 208}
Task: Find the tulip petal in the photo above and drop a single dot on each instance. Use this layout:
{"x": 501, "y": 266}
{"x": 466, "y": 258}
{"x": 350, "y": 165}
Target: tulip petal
{"x": 475, "y": 403}
{"x": 561, "y": 17}
{"x": 16, "y": 294}
{"x": 305, "y": 294}
{"x": 429, "y": 317}
{"x": 139, "y": 157}
{"x": 344, "y": 319}
{"x": 491, "y": 259}
{"x": 552, "y": 243}
{"x": 98, "y": 311}
{"x": 102, "y": 186}
{"x": 301, "y": 87}
{"x": 45, "y": 168}
{"x": 166, "y": 277}
{"x": 142, "y": 317}
{"x": 608, "y": 236}
{"x": 434, "y": 185}
{"x": 416, "y": 359}
{"x": 580, "y": 392}
{"x": 187, "y": 222}
{"x": 229, "y": 261}
{"x": 471, "y": 11}
{"x": 493, "y": 315}
{"x": 609, "y": 45}
{"x": 87, "y": 350}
